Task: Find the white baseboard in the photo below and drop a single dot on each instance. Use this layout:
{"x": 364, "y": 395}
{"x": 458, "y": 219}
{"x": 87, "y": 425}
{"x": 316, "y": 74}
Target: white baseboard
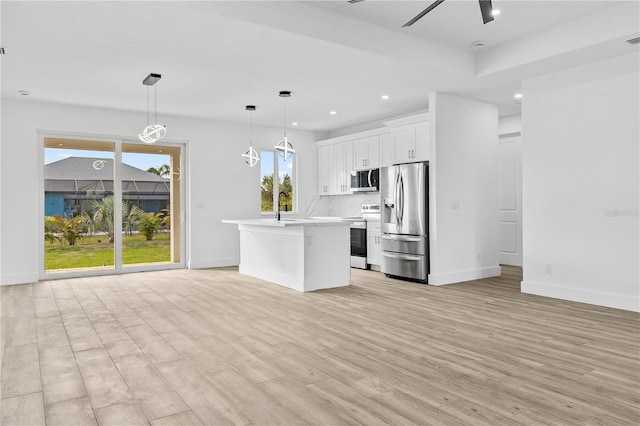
{"x": 627, "y": 303}
{"x": 462, "y": 276}
{"x": 10, "y": 279}
{"x": 218, "y": 262}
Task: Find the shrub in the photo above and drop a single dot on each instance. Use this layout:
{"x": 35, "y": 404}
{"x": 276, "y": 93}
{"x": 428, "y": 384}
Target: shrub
{"x": 150, "y": 224}
{"x": 71, "y": 229}
{"x": 50, "y": 229}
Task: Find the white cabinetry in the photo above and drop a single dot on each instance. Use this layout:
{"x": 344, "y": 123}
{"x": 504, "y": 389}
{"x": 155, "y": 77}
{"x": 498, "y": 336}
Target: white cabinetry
{"x": 387, "y": 150}
{"x": 374, "y": 248}
{"x": 326, "y": 169}
{"x": 335, "y": 163}
{"x": 343, "y": 167}
{"x": 366, "y": 153}
{"x": 411, "y": 143}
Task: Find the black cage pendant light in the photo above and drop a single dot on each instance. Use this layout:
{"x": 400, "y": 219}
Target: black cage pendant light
{"x": 251, "y": 156}
{"x": 152, "y": 132}
{"x": 284, "y": 147}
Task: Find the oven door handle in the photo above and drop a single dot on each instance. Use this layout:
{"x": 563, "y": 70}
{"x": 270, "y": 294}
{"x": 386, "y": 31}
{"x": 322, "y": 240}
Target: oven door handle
{"x": 400, "y": 256}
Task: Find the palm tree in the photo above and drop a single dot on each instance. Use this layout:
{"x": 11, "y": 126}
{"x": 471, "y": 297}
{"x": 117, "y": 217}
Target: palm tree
{"x": 266, "y": 193}
{"x": 103, "y": 217}
{"x": 163, "y": 170}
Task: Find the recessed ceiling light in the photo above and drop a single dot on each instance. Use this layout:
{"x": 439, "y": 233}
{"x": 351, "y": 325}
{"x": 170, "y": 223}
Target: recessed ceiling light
{"x": 295, "y": 123}
{"x": 495, "y": 12}
{"x": 384, "y": 97}
{"x": 24, "y": 92}
{"x": 332, "y": 112}
{"x": 59, "y": 144}
{"x": 479, "y": 43}
{"x": 518, "y": 96}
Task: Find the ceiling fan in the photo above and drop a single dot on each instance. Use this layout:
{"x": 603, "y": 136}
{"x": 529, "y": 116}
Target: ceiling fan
{"x": 485, "y": 8}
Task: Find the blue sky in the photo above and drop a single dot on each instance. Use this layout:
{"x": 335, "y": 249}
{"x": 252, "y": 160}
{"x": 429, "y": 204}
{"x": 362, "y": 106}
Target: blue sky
{"x": 266, "y": 164}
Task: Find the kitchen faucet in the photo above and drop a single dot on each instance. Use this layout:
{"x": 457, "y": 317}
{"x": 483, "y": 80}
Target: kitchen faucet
{"x": 286, "y": 197}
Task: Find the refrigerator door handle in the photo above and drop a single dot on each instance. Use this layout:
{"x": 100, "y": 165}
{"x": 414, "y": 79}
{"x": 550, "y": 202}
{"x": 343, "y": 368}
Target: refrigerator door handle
{"x": 401, "y": 203}
{"x": 391, "y": 237}
{"x": 400, "y": 256}
{"x": 397, "y": 197}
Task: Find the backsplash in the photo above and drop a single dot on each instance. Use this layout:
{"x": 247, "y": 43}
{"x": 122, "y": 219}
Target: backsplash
{"x": 342, "y": 205}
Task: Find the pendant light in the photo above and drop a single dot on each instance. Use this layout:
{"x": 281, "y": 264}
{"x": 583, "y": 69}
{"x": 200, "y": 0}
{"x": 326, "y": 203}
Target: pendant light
{"x": 251, "y": 155}
{"x": 152, "y": 132}
{"x": 284, "y": 147}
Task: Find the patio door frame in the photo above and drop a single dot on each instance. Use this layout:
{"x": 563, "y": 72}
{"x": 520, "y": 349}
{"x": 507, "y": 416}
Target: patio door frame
{"x": 117, "y": 141}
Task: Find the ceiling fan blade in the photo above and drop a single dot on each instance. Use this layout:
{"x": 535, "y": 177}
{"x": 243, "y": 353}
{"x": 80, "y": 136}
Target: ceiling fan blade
{"x": 487, "y": 10}
{"x": 424, "y": 12}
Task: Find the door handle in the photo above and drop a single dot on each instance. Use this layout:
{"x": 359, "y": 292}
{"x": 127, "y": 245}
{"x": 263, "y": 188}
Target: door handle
{"x": 400, "y": 256}
{"x": 392, "y": 237}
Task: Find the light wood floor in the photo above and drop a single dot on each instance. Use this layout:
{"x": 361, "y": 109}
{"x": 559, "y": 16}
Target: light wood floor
{"x": 215, "y": 347}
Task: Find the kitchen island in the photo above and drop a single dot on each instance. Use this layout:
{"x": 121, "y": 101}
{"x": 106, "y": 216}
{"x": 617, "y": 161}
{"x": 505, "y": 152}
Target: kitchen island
{"x": 301, "y": 254}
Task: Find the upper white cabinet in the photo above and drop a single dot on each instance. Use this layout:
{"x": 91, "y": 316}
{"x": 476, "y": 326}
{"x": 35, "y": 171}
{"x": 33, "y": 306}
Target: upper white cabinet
{"x": 410, "y": 139}
{"x": 403, "y": 140}
{"x": 335, "y": 163}
{"x": 366, "y": 152}
{"x": 343, "y": 167}
{"x": 326, "y": 169}
{"x": 387, "y": 150}
{"x": 411, "y": 143}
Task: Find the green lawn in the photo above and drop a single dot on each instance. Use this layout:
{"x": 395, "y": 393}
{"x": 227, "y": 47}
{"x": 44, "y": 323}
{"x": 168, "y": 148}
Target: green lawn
{"x": 96, "y": 251}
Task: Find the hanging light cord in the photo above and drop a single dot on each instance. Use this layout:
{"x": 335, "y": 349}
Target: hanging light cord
{"x": 147, "y": 105}
{"x": 155, "y": 104}
{"x": 250, "y": 128}
{"x": 284, "y": 121}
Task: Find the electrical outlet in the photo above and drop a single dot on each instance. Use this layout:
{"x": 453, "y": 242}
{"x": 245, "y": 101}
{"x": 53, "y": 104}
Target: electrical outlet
{"x": 548, "y": 268}
{"x": 455, "y": 205}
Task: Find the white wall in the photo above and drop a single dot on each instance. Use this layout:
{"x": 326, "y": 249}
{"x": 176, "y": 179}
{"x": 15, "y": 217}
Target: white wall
{"x": 464, "y": 172}
{"x": 221, "y": 185}
{"x": 509, "y": 125}
{"x": 580, "y": 184}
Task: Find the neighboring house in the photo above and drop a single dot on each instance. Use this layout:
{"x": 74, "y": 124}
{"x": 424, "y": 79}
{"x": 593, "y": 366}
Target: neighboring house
{"x": 71, "y": 186}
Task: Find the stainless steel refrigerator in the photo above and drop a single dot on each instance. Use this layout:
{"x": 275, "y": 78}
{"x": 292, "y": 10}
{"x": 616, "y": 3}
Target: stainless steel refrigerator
{"x": 404, "y": 190}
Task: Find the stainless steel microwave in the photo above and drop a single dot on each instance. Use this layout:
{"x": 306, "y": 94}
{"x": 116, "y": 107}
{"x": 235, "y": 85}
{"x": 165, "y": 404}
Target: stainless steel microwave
{"x": 365, "y": 180}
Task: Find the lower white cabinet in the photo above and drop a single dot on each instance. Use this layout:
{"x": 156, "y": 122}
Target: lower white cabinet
{"x": 374, "y": 244}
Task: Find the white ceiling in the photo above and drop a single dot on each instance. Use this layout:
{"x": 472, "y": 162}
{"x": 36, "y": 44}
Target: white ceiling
{"x": 458, "y": 23}
{"x": 217, "y": 57}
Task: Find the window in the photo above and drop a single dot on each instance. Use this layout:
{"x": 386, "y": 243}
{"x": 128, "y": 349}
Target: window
{"x": 274, "y": 165}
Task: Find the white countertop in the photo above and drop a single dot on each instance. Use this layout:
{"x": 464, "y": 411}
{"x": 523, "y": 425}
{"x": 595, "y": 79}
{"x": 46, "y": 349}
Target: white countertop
{"x": 309, "y": 221}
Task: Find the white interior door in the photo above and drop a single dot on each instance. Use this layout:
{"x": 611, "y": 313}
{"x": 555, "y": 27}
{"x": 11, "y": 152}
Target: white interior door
{"x": 510, "y": 201}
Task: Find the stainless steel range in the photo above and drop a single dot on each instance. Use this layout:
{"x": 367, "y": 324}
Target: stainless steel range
{"x": 370, "y": 212}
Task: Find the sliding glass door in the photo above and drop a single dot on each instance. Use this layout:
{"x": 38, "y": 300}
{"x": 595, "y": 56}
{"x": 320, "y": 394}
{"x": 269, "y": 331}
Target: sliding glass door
{"x": 151, "y": 204}
{"x": 111, "y": 206}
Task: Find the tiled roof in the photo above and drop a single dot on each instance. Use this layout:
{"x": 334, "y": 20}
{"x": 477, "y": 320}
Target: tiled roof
{"x": 87, "y": 169}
